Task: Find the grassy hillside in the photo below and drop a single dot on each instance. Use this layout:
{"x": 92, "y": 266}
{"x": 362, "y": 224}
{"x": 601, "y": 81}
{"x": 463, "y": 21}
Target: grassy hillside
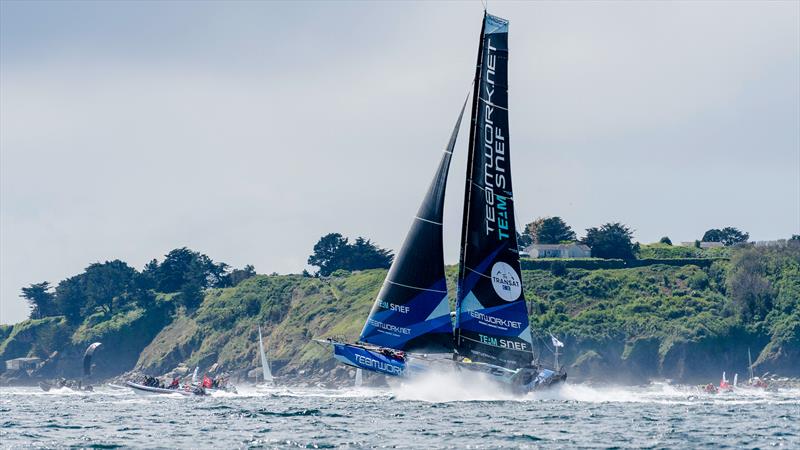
{"x": 680, "y": 321}
{"x": 657, "y": 321}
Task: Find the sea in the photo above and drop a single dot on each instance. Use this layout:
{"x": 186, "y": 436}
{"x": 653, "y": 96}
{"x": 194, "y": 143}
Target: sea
{"x": 424, "y": 414}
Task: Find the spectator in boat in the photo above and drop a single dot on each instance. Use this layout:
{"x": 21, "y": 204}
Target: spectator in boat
{"x": 175, "y": 383}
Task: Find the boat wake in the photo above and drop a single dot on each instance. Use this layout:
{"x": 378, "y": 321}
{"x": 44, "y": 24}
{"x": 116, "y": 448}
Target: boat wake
{"x": 459, "y": 387}
{"x": 450, "y": 386}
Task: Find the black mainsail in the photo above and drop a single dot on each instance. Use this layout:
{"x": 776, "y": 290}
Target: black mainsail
{"x": 412, "y": 311}
{"x": 492, "y": 323}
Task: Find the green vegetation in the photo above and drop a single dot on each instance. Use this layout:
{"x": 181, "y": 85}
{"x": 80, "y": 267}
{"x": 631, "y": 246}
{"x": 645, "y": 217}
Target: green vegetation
{"x": 728, "y": 236}
{"x": 682, "y": 313}
{"x": 612, "y": 240}
{"x": 334, "y": 252}
{"x": 549, "y": 230}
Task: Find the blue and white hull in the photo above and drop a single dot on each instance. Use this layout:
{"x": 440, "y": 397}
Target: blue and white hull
{"x": 384, "y": 362}
{"x": 366, "y": 359}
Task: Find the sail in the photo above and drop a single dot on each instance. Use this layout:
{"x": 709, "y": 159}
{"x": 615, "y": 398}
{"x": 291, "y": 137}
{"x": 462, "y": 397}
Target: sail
{"x": 87, "y": 358}
{"x": 412, "y": 311}
{"x": 264, "y": 361}
{"x": 491, "y": 316}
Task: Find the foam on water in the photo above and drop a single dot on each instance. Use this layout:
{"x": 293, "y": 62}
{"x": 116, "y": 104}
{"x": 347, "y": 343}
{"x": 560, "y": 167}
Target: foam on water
{"x": 437, "y": 411}
{"x": 450, "y": 386}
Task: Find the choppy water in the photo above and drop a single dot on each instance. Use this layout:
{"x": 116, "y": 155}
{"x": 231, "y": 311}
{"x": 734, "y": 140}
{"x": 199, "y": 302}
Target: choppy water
{"x": 428, "y": 415}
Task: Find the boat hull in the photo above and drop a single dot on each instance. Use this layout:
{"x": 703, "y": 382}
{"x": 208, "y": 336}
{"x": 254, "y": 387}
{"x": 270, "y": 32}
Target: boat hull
{"x": 372, "y": 360}
{"x": 150, "y": 390}
{"x": 519, "y": 381}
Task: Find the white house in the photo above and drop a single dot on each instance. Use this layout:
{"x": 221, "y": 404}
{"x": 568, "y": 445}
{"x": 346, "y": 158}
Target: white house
{"x": 573, "y": 250}
{"x": 22, "y": 363}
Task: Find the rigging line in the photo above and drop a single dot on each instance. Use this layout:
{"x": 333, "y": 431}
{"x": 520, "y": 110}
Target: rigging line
{"x": 429, "y": 221}
{"x": 492, "y": 104}
{"x": 475, "y": 271}
{"x": 416, "y": 287}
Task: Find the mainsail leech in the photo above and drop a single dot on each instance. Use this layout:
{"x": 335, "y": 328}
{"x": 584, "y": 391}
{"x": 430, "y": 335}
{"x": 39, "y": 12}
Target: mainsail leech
{"x": 412, "y": 311}
{"x": 492, "y": 323}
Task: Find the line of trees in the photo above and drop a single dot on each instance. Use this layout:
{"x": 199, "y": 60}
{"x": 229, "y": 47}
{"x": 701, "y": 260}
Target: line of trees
{"x": 112, "y": 286}
{"x": 610, "y": 240}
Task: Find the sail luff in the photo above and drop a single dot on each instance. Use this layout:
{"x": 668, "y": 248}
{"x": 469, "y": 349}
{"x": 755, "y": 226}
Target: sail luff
{"x": 492, "y": 317}
{"x": 412, "y": 311}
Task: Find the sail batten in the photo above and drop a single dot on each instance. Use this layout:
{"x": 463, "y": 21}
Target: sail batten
{"x": 492, "y": 323}
{"x": 411, "y": 312}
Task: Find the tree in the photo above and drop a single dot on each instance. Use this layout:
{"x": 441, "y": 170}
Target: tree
{"x": 70, "y": 297}
{"x": 148, "y": 277}
{"x": 363, "y": 254}
{"x": 665, "y": 240}
{"x": 727, "y": 236}
{"x": 329, "y": 253}
{"x": 612, "y": 240}
{"x": 553, "y": 230}
{"x": 532, "y": 228}
{"x": 333, "y": 252}
{"x": 182, "y": 266}
{"x": 747, "y": 285}
{"x": 238, "y": 275}
{"x": 41, "y": 300}
{"x": 108, "y": 286}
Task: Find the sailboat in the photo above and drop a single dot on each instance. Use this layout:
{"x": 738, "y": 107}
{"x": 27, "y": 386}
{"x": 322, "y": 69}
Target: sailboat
{"x": 267, "y": 373}
{"x": 409, "y": 328}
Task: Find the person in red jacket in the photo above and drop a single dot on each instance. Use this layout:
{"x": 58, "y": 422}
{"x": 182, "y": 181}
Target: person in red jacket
{"x": 207, "y": 382}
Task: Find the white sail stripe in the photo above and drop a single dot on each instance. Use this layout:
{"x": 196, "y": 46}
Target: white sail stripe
{"x": 449, "y": 153}
{"x": 483, "y": 189}
{"x": 429, "y": 221}
{"x": 490, "y": 345}
{"x": 415, "y": 287}
{"x": 492, "y": 104}
{"x": 475, "y": 271}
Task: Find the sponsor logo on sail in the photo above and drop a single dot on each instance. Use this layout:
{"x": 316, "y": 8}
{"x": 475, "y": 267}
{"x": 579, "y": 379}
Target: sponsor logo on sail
{"x": 505, "y": 281}
{"x": 389, "y": 327}
{"x": 495, "y": 171}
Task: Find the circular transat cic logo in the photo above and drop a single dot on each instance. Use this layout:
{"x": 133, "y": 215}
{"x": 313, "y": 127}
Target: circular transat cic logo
{"x": 506, "y": 281}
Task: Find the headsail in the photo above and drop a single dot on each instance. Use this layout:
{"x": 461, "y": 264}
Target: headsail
{"x": 412, "y": 311}
{"x": 491, "y": 316}
{"x": 264, "y": 361}
{"x": 87, "y": 358}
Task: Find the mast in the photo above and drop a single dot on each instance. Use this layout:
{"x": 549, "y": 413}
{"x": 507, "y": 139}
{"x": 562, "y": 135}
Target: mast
{"x": 470, "y": 160}
{"x": 412, "y": 311}
{"x": 492, "y": 323}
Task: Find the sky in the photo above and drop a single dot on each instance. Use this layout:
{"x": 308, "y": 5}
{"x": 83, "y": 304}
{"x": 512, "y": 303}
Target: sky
{"x": 247, "y": 130}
